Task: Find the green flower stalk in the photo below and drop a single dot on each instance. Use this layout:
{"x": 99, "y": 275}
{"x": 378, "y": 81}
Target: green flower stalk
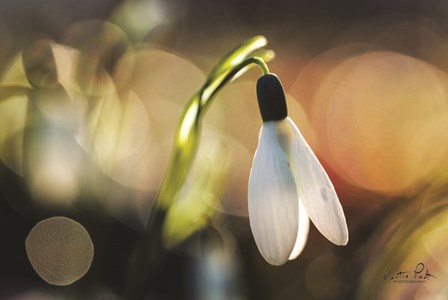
{"x": 189, "y": 129}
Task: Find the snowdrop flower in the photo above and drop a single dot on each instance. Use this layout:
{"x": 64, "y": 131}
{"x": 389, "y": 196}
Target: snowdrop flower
{"x": 287, "y": 184}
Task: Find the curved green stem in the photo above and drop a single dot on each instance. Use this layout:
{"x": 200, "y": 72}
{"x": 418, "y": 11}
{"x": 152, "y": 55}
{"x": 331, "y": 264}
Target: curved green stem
{"x": 236, "y": 56}
{"x": 188, "y": 132}
{"x": 207, "y": 92}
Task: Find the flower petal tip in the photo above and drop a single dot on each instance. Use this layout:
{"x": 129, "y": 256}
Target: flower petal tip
{"x": 275, "y": 261}
{"x": 277, "y": 264}
{"x": 344, "y": 241}
{"x": 341, "y": 240}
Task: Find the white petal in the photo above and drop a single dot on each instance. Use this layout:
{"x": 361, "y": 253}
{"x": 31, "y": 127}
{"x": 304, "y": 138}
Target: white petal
{"x": 302, "y": 235}
{"x": 273, "y": 200}
{"x": 315, "y": 189}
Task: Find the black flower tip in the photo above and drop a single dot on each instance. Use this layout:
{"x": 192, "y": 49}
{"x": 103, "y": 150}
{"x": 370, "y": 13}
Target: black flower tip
{"x": 271, "y": 98}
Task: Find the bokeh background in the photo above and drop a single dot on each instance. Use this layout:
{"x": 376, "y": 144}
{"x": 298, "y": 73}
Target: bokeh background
{"x": 90, "y": 96}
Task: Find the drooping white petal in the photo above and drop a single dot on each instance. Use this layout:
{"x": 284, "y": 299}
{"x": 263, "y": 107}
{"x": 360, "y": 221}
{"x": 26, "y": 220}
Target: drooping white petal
{"x": 314, "y": 187}
{"x": 273, "y": 200}
{"x": 302, "y": 235}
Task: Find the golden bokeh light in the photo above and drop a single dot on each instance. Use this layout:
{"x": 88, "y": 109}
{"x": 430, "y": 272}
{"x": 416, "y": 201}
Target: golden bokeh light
{"x": 60, "y": 250}
{"x": 307, "y": 84}
{"x": 160, "y": 83}
{"x": 163, "y": 75}
{"x": 139, "y": 17}
{"x": 61, "y": 103}
{"x": 98, "y": 53}
{"x": 116, "y": 131}
{"x": 52, "y": 166}
{"x": 379, "y": 116}
{"x": 130, "y": 131}
{"x": 55, "y": 182}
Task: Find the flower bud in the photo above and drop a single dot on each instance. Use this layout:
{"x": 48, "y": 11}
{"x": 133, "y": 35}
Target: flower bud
{"x": 271, "y": 98}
